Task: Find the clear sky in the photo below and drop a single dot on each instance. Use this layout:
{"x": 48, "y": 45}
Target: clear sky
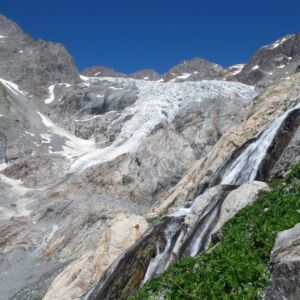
{"x": 133, "y": 34}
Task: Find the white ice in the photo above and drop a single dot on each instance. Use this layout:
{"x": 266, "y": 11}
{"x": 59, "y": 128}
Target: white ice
{"x": 156, "y": 102}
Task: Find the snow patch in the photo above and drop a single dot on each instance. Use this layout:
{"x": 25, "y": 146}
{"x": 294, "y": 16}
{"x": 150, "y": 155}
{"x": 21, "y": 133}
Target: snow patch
{"x": 51, "y": 92}
{"x": 84, "y": 78}
{"x": 30, "y": 133}
{"x": 184, "y": 76}
{"x": 73, "y": 146}
{"x": 238, "y": 68}
{"x": 280, "y": 41}
{"x": 115, "y": 88}
{"x": 12, "y": 87}
{"x": 255, "y": 68}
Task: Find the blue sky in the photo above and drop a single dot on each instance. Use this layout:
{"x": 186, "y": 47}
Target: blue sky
{"x": 133, "y": 34}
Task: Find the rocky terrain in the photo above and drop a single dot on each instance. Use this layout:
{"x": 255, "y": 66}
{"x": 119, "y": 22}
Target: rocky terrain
{"x": 91, "y": 163}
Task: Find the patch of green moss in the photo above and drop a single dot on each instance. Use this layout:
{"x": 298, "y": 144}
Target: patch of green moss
{"x": 236, "y": 268}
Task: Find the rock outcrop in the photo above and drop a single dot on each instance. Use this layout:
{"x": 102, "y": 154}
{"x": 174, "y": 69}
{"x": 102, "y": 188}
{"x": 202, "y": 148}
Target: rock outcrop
{"x": 273, "y": 62}
{"x": 285, "y": 266}
{"x": 101, "y": 71}
{"x": 46, "y": 62}
{"x": 194, "y": 70}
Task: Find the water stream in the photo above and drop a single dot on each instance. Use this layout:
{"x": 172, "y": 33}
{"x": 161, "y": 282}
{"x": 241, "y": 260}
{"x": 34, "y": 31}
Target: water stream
{"x": 243, "y": 169}
{"x": 182, "y": 235}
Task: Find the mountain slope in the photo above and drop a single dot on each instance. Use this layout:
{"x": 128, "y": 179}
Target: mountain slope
{"x": 87, "y": 162}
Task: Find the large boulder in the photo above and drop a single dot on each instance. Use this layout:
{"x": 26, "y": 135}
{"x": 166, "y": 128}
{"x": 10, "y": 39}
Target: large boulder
{"x": 285, "y": 266}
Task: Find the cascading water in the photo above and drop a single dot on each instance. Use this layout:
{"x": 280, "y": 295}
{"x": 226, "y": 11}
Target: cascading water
{"x": 198, "y": 240}
{"x": 188, "y": 229}
{"x": 161, "y": 261}
{"x": 244, "y": 167}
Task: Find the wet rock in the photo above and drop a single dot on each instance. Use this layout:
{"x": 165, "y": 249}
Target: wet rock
{"x": 131, "y": 265}
{"x": 290, "y": 155}
{"x": 239, "y": 198}
{"x": 284, "y": 142}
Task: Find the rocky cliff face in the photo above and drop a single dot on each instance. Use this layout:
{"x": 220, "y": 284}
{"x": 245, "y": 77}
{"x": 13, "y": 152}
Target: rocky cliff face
{"x": 46, "y": 62}
{"x": 87, "y": 159}
{"x": 273, "y": 62}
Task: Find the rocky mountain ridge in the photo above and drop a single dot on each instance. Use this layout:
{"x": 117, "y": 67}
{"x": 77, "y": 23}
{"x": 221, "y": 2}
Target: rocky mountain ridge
{"x": 266, "y": 66}
{"x": 88, "y": 160}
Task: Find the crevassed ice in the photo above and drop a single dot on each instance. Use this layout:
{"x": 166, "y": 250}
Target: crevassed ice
{"x": 157, "y": 102}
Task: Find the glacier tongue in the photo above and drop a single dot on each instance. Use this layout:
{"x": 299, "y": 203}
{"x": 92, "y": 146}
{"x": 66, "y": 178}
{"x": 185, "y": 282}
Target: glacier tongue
{"x": 157, "y": 102}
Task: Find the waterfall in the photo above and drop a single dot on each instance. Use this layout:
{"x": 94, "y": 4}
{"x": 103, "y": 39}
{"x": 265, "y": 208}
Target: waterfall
{"x": 162, "y": 259}
{"x": 187, "y": 230}
{"x": 244, "y": 168}
{"x": 198, "y": 241}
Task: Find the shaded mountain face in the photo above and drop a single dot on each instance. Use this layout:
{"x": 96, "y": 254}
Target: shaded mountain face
{"x": 33, "y": 65}
{"x": 273, "y": 62}
{"x": 194, "y": 70}
{"x": 101, "y": 71}
{"x": 86, "y": 160}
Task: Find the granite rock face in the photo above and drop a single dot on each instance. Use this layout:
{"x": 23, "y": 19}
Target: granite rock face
{"x": 273, "y": 62}
{"x": 285, "y": 271}
{"x": 46, "y": 62}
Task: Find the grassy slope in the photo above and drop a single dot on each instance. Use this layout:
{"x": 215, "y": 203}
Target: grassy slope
{"x": 237, "y": 267}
